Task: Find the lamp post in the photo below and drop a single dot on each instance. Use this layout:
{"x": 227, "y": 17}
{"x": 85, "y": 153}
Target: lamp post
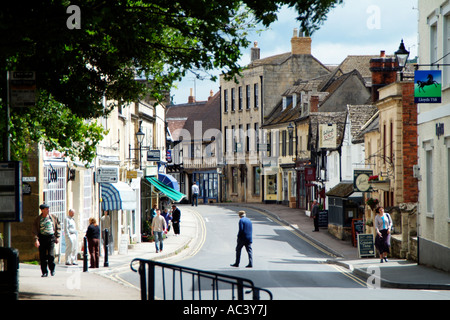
{"x": 140, "y": 138}
{"x": 402, "y": 57}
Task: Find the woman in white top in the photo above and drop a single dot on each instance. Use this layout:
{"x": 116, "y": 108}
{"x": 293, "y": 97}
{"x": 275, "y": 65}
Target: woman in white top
{"x": 383, "y": 225}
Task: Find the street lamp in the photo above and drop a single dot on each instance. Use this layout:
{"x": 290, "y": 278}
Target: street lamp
{"x": 140, "y": 135}
{"x": 402, "y": 57}
{"x": 290, "y": 129}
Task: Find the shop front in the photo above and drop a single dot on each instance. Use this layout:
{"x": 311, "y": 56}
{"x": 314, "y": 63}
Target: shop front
{"x": 208, "y": 184}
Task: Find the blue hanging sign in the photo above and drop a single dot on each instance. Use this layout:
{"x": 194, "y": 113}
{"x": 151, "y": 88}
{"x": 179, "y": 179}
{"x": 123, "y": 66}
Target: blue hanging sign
{"x": 427, "y": 86}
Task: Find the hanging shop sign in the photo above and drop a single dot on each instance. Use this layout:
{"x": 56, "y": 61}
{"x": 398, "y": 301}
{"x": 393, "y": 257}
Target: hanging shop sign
{"x": 427, "y": 86}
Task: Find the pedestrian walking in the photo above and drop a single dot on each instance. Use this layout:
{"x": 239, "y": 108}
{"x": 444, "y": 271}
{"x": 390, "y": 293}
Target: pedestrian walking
{"x": 46, "y": 230}
{"x": 106, "y": 225}
{"x": 93, "y": 237}
{"x": 383, "y": 225}
{"x": 71, "y": 236}
{"x": 168, "y": 217}
{"x": 315, "y": 215}
{"x": 195, "y": 192}
{"x": 158, "y": 227}
{"x": 244, "y": 239}
{"x": 176, "y": 218}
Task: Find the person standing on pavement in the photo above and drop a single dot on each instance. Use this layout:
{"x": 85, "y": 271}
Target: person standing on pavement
{"x": 106, "y": 225}
{"x": 71, "y": 239}
{"x": 315, "y": 215}
{"x": 383, "y": 225}
{"x": 244, "y": 238}
{"x": 168, "y": 217}
{"x": 46, "y": 230}
{"x": 195, "y": 191}
{"x": 158, "y": 227}
{"x": 176, "y": 217}
{"x": 93, "y": 237}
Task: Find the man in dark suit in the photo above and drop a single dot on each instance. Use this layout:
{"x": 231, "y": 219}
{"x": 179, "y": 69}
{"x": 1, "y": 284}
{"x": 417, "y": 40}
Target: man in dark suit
{"x": 244, "y": 238}
{"x": 176, "y": 216}
{"x": 315, "y": 215}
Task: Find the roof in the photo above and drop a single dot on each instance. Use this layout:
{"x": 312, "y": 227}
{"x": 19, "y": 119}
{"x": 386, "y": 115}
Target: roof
{"x": 187, "y": 116}
{"x": 317, "y": 118}
{"x": 358, "y": 116}
{"x": 342, "y": 190}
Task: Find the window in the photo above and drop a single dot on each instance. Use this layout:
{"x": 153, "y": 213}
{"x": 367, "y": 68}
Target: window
{"x": 234, "y": 181}
{"x": 240, "y": 98}
{"x": 233, "y": 96}
{"x": 55, "y": 190}
{"x": 247, "y": 147}
{"x": 225, "y": 100}
{"x": 433, "y": 44}
{"x": 428, "y": 146}
{"x": 256, "y": 180}
{"x": 87, "y": 197}
{"x": 283, "y": 143}
{"x": 225, "y": 140}
{"x": 256, "y": 96}
{"x": 247, "y": 97}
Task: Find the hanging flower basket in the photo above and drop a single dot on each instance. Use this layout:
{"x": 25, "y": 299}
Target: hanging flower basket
{"x": 372, "y": 203}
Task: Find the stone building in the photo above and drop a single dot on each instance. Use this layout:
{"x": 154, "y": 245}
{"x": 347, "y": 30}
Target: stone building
{"x": 433, "y": 125}
{"x": 244, "y": 108}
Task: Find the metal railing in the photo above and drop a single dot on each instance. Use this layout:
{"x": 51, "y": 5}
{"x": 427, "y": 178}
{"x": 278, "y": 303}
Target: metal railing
{"x": 194, "y": 284}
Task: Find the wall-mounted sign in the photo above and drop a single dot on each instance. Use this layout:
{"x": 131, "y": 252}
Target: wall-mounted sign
{"x": 107, "y": 175}
{"x": 427, "y": 86}
{"x": 22, "y": 89}
{"x": 154, "y": 155}
{"x": 327, "y": 136}
{"x": 361, "y": 180}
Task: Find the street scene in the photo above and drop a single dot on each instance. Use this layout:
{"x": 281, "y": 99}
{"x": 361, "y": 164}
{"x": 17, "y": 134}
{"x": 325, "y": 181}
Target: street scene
{"x": 232, "y": 151}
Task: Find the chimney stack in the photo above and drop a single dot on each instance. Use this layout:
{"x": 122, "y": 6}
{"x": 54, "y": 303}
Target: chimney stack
{"x": 191, "y": 98}
{"x": 300, "y": 45}
{"x": 314, "y": 104}
{"x": 255, "y": 52}
{"x": 384, "y": 71}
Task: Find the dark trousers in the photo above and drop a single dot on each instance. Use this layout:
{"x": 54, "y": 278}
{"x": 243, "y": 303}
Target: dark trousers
{"x": 248, "y": 247}
{"x": 195, "y": 199}
{"x": 316, "y": 223}
{"x": 47, "y": 253}
{"x": 94, "y": 252}
{"x": 176, "y": 227}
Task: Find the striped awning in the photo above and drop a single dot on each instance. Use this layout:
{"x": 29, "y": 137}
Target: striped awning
{"x": 168, "y": 191}
{"x": 169, "y": 180}
{"x": 118, "y": 196}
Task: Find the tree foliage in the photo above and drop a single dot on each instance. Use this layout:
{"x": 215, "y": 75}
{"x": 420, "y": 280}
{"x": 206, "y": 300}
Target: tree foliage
{"x": 117, "y": 41}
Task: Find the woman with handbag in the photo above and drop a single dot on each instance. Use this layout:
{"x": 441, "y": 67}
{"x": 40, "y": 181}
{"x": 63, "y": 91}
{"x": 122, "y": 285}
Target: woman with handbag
{"x": 383, "y": 225}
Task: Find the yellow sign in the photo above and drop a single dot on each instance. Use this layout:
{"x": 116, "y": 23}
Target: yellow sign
{"x": 131, "y": 174}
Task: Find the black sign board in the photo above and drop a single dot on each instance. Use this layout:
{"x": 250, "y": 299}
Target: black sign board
{"x": 366, "y": 245}
{"x": 323, "y": 219}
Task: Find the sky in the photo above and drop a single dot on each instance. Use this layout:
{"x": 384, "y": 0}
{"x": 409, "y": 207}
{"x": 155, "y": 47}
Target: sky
{"x": 356, "y": 27}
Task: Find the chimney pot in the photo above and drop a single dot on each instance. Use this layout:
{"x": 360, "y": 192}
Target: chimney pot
{"x": 255, "y": 52}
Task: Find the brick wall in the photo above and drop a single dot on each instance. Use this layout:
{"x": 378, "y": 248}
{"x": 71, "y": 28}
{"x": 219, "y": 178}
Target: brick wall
{"x": 409, "y": 118}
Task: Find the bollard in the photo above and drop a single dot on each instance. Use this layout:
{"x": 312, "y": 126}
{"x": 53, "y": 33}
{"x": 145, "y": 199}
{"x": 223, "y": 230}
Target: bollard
{"x": 106, "y": 263}
{"x": 85, "y": 256}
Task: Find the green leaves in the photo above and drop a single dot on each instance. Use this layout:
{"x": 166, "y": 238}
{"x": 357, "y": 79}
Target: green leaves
{"x": 118, "y": 41}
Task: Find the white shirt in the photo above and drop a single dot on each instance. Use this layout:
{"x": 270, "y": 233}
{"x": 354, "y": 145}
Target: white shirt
{"x": 195, "y": 188}
{"x": 71, "y": 227}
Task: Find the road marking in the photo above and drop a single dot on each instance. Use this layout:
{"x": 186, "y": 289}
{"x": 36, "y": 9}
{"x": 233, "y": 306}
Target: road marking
{"x": 348, "y": 274}
{"x": 292, "y": 230}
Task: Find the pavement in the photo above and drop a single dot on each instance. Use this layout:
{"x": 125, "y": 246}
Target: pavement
{"x": 71, "y": 283}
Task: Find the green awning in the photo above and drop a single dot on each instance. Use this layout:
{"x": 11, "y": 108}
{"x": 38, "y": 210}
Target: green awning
{"x": 168, "y": 191}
